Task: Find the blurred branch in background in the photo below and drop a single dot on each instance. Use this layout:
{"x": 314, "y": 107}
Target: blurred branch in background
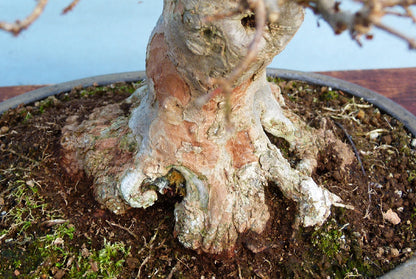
{"x": 360, "y": 22}
{"x": 70, "y": 6}
{"x": 19, "y": 25}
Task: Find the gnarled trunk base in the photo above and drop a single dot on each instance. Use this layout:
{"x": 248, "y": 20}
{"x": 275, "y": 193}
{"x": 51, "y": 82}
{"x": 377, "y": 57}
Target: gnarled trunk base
{"x": 225, "y": 172}
{"x": 135, "y": 158}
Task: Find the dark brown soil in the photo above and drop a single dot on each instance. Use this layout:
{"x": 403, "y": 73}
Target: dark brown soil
{"x": 358, "y": 242}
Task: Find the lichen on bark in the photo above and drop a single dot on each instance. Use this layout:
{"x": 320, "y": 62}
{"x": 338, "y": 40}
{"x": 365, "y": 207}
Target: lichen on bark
{"x": 226, "y": 170}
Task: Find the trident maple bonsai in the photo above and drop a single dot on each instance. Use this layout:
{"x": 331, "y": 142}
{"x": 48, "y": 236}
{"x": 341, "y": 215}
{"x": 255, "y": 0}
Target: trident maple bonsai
{"x": 198, "y": 125}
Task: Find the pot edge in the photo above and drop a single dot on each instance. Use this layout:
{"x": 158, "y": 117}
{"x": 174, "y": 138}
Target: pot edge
{"x": 405, "y": 270}
{"x": 385, "y": 104}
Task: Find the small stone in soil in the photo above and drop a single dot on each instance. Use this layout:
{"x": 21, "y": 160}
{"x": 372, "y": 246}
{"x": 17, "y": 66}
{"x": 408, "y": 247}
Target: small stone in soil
{"x": 380, "y": 252}
{"x": 361, "y": 114}
{"x": 4, "y": 129}
{"x": 392, "y": 217}
{"x": 394, "y": 252}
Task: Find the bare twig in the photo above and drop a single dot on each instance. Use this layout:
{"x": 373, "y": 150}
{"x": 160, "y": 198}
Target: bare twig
{"x": 177, "y": 265}
{"x": 18, "y": 26}
{"x": 70, "y": 6}
{"x": 123, "y": 228}
{"x": 358, "y": 23}
{"x": 141, "y": 266}
{"x": 226, "y": 84}
{"x": 253, "y": 49}
{"x": 361, "y": 22}
{"x": 53, "y": 222}
{"x": 215, "y": 17}
{"x": 24, "y": 157}
{"x": 410, "y": 14}
{"x": 388, "y": 29}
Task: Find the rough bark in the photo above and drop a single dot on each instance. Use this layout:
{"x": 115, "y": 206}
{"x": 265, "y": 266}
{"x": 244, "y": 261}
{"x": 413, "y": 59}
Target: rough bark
{"x": 225, "y": 170}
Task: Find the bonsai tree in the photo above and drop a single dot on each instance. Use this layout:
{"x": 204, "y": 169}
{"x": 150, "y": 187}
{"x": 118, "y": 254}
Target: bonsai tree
{"x": 198, "y": 126}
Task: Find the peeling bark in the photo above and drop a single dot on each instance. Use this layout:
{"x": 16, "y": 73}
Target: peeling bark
{"x": 225, "y": 170}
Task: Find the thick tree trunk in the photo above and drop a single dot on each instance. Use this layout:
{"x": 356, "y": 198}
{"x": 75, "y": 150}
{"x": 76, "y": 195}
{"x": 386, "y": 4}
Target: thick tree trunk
{"x": 171, "y": 136}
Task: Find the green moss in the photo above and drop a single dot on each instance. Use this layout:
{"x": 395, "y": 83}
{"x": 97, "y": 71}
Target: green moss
{"x": 411, "y": 175}
{"x": 328, "y": 239}
{"x": 274, "y": 79}
{"x": 32, "y": 250}
{"x": 347, "y": 258}
{"x": 47, "y": 103}
{"x": 113, "y": 88}
{"x": 27, "y": 201}
{"x": 16, "y": 258}
{"x": 57, "y": 253}
{"x": 93, "y": 90}
{"x": 329, "y": 95}
{"x": 28, "y": 116}
{"x": 414, "y": 213}
{"x": 129, "y": 88}
{"x": 65, "y": 97}
{"x": 105, "y": 263}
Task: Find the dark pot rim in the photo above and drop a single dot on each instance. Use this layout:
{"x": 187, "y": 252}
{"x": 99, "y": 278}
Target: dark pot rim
{"x": 44, "y": 92}
{"x": 406, "y": 270}
{"x": 385, "y": 104}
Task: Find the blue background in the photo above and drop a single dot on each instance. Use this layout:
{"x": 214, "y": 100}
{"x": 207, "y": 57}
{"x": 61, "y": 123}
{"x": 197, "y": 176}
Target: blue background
{"x": 110, "y": 36}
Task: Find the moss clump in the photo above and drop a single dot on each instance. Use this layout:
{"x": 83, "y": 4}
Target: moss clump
{"x": 47, "y": 103}
{"x": 329, "y": 95}
{"x": 328, "y": 239}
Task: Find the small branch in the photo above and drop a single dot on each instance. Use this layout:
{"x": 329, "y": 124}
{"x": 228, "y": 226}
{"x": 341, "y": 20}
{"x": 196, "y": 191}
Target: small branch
{"x": 18, "y": 26}
{"x": 253, "y": 49}
{"x": 402, "y": 3}
{"x": 70, "y": 6}
{"x": 338, "y": 19}
{"x": 53, "y": 222}
{"x": 360, "y": 22}
{"x": 141, "y": 266}
{"x": 388, "y": 29}
{"x": 226, "y": 84}
{"x": 177, "y": 265}
{"x": 24, "y": 157}
{"x": 216, "y": 17}
{"x": 123, "y": 228}
{"x": 410, "y": 15}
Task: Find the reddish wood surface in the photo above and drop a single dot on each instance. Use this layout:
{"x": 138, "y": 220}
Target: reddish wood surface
{"x": 11, "y": 91}
{"x": 396, "y": 84}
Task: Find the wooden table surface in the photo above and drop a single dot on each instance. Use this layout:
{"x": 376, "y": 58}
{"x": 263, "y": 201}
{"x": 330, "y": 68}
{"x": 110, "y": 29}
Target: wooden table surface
{"x": 396, "y": 84}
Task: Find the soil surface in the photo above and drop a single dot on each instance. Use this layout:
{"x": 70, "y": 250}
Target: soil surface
{"x": 51, "y": 226}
